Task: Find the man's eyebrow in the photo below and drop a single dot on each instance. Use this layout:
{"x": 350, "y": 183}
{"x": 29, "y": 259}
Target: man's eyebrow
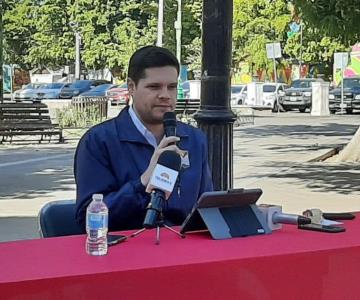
{"x": 159, "y": 83}
{"x": 152, "y": 83}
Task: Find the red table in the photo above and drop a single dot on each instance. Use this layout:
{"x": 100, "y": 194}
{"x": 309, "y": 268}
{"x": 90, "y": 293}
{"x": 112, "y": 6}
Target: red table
{"x": 288, "y": 264}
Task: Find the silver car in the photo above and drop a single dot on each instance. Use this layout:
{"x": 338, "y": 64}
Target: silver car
{"x": 50, "y": 90}
{"x": 28, "y": 92}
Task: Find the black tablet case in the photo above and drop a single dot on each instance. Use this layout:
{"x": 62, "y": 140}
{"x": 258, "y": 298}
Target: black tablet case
{"x": 227, "y": 214}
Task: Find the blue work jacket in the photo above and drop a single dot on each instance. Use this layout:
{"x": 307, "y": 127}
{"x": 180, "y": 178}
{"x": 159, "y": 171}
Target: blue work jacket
{"x": 110, "y": 159}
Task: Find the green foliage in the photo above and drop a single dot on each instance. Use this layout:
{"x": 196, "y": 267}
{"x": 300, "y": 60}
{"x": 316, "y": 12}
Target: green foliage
{"x": 52, "y": 40}
{"x": 193, "y": 58}
{"x": 112, "y": 30}
{"x": 191, "y": 34}
{"x": 316, "y": 48}
{"x": 336, "y": 18}
{"x": 38, "y": 32}
{"x": 255, "y": 24}
{"x": 76, "y": 117}
{"x": 18, "y": 26}
{"x": 259, "y": 22}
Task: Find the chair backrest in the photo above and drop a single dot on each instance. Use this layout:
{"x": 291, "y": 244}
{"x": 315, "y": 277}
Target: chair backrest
{"x": 57, "y": 218}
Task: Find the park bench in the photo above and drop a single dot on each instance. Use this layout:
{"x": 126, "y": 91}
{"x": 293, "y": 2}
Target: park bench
{"x": 187, "y": 107}
{"x": 27, "y": 119}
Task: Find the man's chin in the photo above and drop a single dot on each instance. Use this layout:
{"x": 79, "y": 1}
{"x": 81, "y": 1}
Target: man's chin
{"x": 160, "y": 111}
{"x": 156, "y": 118}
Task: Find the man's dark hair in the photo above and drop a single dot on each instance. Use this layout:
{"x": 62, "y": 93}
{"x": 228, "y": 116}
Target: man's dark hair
{"x": 150, "y": 57}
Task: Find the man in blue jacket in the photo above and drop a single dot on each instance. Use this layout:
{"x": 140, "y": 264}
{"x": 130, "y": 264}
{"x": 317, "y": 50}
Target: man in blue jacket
{"x": 116, "y": 158}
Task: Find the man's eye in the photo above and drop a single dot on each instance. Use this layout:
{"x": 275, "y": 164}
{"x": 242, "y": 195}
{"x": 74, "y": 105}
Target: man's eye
{"x": 153, "y": 87}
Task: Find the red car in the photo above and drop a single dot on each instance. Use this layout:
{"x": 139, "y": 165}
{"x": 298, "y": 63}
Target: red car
{"x": 118, "y": 95}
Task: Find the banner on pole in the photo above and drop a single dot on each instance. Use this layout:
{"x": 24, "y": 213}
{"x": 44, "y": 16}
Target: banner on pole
{"x": 7, "y": 79}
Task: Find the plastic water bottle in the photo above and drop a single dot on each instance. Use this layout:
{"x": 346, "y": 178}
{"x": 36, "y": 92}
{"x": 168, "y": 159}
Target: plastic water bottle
{"x": 96, "y": 226}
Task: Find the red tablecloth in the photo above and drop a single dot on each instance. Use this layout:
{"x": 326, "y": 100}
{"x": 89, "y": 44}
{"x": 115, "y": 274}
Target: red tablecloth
{"x": 287, "y": 264}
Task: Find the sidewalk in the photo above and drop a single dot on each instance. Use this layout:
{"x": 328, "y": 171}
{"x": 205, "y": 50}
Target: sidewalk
{"x": 273, "y": 154}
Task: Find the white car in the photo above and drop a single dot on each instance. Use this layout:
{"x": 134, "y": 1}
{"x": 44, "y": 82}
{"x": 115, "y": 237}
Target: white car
{"x": 238, "y": 93}
{"x": 270, "y": 92}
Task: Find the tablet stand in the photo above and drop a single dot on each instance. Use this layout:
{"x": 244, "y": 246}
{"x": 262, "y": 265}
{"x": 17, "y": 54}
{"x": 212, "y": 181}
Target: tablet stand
{"x": 234, "y": 221}
{"x": 159, "y": 223}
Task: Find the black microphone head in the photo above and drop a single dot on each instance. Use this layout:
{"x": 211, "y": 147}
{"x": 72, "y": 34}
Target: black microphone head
{"x": 170, "y": 159}
{"x": 169, "y": 119}
{"x": 169, "y": 122}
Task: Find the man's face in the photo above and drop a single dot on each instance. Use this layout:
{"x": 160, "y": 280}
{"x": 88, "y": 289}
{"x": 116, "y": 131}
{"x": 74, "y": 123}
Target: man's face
{"x": 155, "y": 94}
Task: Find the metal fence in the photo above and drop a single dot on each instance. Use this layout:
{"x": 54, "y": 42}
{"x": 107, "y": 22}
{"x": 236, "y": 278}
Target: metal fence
{"x": 91, "y": 104}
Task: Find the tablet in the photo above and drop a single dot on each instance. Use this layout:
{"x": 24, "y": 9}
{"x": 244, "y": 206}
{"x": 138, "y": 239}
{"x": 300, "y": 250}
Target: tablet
{"x": 220, "y": 199}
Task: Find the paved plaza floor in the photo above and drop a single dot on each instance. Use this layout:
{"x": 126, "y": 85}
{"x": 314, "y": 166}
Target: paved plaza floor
{"x": 273, "y": 154}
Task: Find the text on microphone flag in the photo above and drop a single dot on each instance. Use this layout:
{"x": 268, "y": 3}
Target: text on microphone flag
{"x": 163, "y": 178}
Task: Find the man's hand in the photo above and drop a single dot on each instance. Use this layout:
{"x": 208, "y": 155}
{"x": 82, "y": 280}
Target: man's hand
{"x": 163, "y": 146}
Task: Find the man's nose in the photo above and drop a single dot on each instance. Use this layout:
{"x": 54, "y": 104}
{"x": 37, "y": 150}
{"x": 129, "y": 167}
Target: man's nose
{"x": 164, "y": 93}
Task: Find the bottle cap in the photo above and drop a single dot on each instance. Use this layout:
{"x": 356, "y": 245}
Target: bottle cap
{"x": 97, "y": 197}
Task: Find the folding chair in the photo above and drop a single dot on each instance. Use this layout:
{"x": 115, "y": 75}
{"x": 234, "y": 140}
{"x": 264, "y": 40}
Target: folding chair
{"x": 57, "y": 218}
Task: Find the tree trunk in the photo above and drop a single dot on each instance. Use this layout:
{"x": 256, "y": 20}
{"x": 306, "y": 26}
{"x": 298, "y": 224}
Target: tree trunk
{"x": 351, "y": 152}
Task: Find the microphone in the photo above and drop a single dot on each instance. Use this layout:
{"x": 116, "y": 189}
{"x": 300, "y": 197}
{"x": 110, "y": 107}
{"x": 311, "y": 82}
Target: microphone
{"x": 275, "y": 218}
{"x": 169, "y": 123}
{"x": 161, "y": 184}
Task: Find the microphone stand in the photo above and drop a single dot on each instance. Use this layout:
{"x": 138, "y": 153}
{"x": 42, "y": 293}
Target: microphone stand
{"x": 159, "y": 224}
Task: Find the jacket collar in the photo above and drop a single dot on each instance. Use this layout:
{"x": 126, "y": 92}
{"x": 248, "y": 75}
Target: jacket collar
{"x": 129, "y": 133}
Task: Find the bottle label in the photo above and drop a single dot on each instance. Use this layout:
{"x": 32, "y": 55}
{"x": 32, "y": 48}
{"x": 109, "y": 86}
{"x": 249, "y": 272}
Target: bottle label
{"x": 97, "y": 221}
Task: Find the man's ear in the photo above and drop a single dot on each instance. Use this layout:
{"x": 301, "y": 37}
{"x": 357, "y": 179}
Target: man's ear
{"x": 131, "y": 85}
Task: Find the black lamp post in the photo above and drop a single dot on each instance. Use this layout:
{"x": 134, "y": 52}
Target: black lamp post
{"x": 215, "y": 117}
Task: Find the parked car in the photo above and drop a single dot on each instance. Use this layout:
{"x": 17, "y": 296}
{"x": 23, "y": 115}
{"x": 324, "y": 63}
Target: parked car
{"x": 351, "y": 99}
{"x": 118, "y": 95}
{"x": 270, "y": 92}
{"x": 299, "y": 95}
{"x": 238, "y": 93}
{"x": 50, "y": 90}
{"x": 80, "y": 86}
{"x": 27, "y": 92}
{"x": 98, "y": 91}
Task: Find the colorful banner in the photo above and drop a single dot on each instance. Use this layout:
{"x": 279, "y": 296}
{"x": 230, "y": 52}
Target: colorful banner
{"x": 353, "y": 69}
